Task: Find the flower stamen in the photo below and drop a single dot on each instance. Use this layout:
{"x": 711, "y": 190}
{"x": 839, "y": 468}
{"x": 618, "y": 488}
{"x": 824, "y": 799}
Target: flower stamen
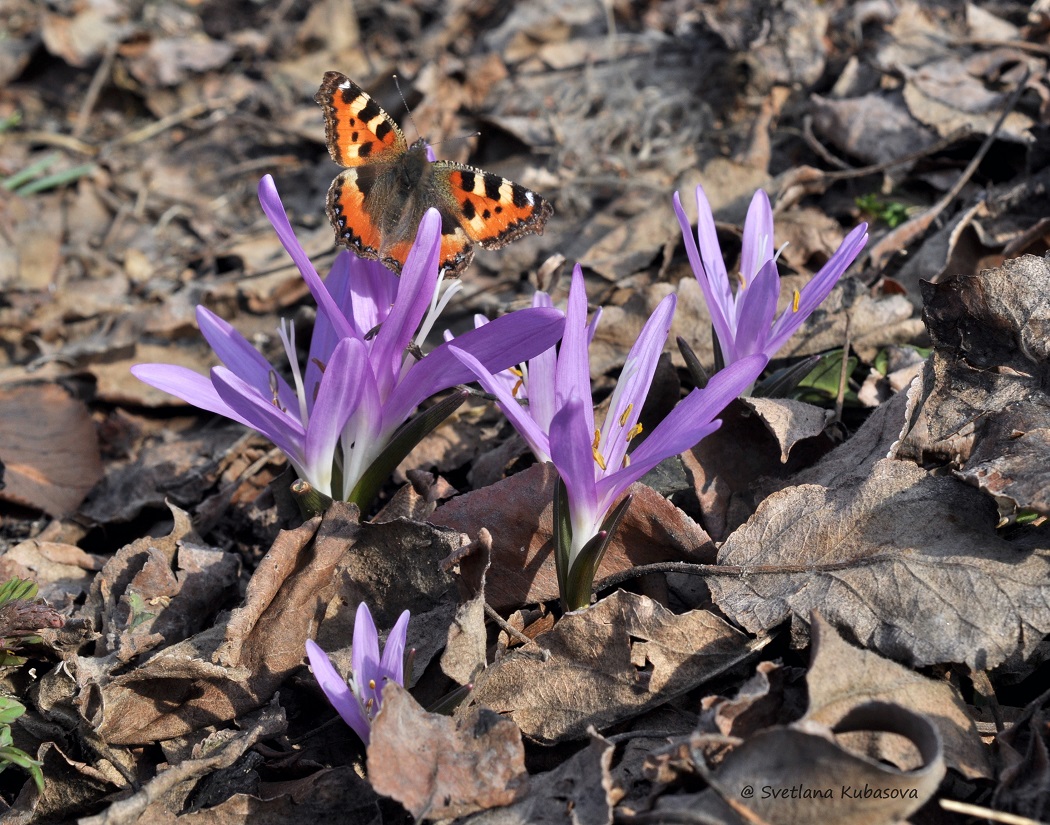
{"x": 598, "y": 457}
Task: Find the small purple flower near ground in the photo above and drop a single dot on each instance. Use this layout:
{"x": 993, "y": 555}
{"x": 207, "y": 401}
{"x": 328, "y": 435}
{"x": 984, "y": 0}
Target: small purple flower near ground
{"x": 358, "y": 699}
{"x": 592, "y": 462}
{"x": 744, "y": 320}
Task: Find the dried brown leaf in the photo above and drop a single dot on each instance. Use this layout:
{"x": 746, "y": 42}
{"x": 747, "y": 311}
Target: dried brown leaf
{"x": 577, "y": 792}
{"x": 799, "y": 775}
{"x": 441, "y": 767}
{"x": 866, "y": 551}
{"x": 236, "y": 666}
{"x": 841, "y": 677}
{"x": 49, "y": 448}
{"x": 983, "y": 402}
{"x": 608, "y": 663}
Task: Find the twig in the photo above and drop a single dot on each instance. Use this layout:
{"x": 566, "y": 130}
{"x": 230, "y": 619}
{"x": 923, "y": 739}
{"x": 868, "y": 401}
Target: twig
{"x": 840, "y": 399}
{"x": 94, "y": 89}
{"x": 165, "y": 123}
{"x": 512, "y": 631}
{"x": 986, "y": 813}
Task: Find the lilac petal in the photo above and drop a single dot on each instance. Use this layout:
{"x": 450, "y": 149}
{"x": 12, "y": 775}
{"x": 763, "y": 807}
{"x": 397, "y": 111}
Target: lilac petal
{"x": 283, "y": 429}
{"x": 540, "y": 388}
{"x": 419, "y": 278}
{"x": 241, "y": 357}
{"x": 364, "y": 656}
{"x": 499, "y": 344}
{"x": 325, "y": 336}
{"x": 271, "y": 204}
{"x": 758, "y": 239}
{"x": 392, "y": 665}
{"x": 721, "y": 307}
{"x": 573, "y": 362}
{"x": 571, "y": 453}
{"x": 375, "y": 289}
{"x": 519, "y": 416}
{"x": 184, "y": 383}
{"x": 758, "y": 307}
{"x": 818, "y": 288}
{"x": 337, "y": 691}
{"x": 336, "y": 401}
{"x": 629, "y": 395}
{"x": 687, "y": 423}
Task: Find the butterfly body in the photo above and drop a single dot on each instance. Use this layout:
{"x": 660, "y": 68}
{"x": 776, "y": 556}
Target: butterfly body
{"x": 377, "y": 202}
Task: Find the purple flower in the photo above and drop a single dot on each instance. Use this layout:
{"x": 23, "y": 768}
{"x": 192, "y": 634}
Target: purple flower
{"x": 358, "y": 700}
{"x": 360, "y": 384}
{"x": 744, "y": 321}
{"x": 558, "y": 425}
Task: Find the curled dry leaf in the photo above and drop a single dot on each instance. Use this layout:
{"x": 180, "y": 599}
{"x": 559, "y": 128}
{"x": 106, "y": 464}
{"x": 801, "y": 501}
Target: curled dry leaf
{"x": 789, "y": 421}
{"x": 1025, "y": 773}
{"x": 798, "y": 775}
{"x": 841, "y": 677}
{"x": 236, "y": 665}
{"x": 983, "y": 402}
{"x": 607, "y": 663}
{"x": 158, "y": 591}
{"x": 867, "y": 551}
{"x": 439, "y": 767}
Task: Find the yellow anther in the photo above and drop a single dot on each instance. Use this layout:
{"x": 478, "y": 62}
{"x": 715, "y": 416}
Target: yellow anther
{"x": 626, "y": 414}
{"x": 598, "y": 457}
{"x": 372, "y": 684}
{"x": 626, "y": 461}
{"x": 517, "y": 386}
{"x": 636, "y": 430}
{"x": 274, "y": 391}
{"x": 794, "y": 301}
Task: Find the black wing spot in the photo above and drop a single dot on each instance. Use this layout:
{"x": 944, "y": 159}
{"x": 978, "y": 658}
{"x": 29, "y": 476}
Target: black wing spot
{"x": 382, "y": 130}
{"x": 486, "y": 214}
{"x": 468, "y": 209}
{"x": 492, "y": 185}
{"x": 369, "y": 111}
{"x": 365, "y": 149}
{"x": 468, "y": 180}
{"x": 353, "y": 137}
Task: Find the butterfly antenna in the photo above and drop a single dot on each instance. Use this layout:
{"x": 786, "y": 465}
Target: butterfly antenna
{"x": 397, "y": 82}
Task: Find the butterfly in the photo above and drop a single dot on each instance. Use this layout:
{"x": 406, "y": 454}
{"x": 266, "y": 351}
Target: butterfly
{"x": 377, "y": 202}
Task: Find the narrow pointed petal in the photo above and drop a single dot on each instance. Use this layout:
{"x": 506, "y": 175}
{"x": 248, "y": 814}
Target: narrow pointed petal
{"x": 714, "y": 283}
{"x": 499, "y": 344}
{"x": 573, "y": 376}
{"x": 758, "y": 307}
{"x": 271, "y": 204}
{"x": 519, "y": 417}
{"x": 191, "y": 387}
{"x": 336, "y": 401}
{"x": 337, "y": 691}
{"x": 364, "y": 656}
{"x": 629, "y": 396}
{"x": 418, "y": 280}
{"x": 818, "y": 288}
{"x": 374, "y": 289}
{"x": 326, "y": 335}
{"x": 283, "y": 429}
{"x": 392, "y": 665}
{"x": 241, "y": 357}
{"x": 758, "y": 238}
